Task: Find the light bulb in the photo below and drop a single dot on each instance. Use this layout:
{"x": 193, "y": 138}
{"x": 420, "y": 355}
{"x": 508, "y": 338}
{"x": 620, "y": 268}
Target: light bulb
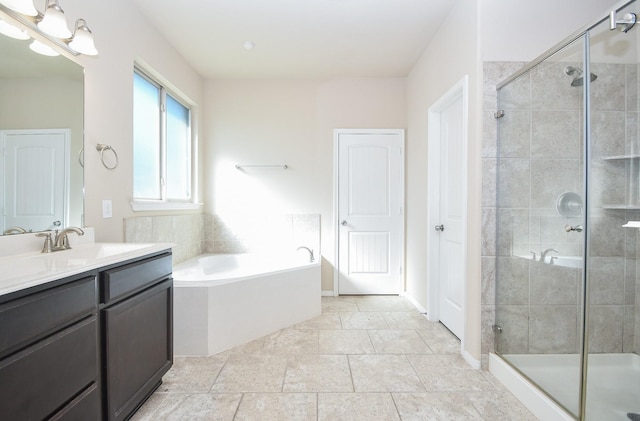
{"x": 54, "y": 23}
{"x": 12, "y": 31}
{"x": 83, "y": 39}
{"x": 24, "y": 7}
{"x": 43, "y": 49}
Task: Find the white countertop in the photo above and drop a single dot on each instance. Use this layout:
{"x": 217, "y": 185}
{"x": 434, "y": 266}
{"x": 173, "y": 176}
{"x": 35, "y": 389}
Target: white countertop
{"x": 25, "y": 270}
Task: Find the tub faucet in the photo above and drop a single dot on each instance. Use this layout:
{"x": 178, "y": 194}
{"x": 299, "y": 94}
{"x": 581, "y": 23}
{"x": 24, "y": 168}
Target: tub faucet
{"x": 311, "y": 258}
{"x": 543, "y": 255}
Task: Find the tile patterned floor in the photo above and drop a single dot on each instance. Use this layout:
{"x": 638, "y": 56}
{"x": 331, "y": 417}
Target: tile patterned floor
{"x": 365, "y": 358}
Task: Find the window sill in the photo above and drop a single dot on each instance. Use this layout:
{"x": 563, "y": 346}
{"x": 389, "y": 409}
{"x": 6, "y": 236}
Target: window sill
{"x": 138, "y": 206}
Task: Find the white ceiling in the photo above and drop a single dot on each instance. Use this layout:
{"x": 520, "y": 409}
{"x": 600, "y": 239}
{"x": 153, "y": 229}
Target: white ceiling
{"x": 298, "y": 38}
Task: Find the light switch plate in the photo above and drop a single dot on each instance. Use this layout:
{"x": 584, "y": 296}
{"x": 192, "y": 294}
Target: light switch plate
{"x": 107, "y": 209}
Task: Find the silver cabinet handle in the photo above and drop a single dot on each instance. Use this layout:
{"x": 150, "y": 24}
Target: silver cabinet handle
{"x": 439, "y": 227}
{"x": 343, "y": 223}
{"x": 576, "y": 228}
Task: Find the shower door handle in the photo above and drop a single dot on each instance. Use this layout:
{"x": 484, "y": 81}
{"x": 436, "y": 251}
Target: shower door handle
{"x": 576, "y": 228}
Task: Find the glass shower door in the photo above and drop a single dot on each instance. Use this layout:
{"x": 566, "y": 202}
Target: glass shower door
{"x": 540, "y": 219}
{"x": 613, "y": 319}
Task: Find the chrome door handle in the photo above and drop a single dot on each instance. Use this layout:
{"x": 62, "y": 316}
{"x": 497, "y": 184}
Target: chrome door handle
{"x": 439, "y": 227}
{"x": 343, "y": 223}
{"x": 569, "y": 228}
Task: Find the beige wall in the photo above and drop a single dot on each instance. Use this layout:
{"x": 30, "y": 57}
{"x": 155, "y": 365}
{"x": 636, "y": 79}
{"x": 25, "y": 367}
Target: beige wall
{"x": 289, "y": 122}
{"x": 122, "y": 36}
{"x": 521, "y": 30}
{"x": 434, "y": 74}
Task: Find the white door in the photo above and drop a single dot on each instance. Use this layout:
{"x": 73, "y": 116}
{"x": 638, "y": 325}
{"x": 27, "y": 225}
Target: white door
{"x": 370, "y": 212}
{"x": 36, "y": 178}
{"x": 448, "y": 193}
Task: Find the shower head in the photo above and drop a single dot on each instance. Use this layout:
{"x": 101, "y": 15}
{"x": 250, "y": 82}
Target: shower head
{"x": 578, "y": 79}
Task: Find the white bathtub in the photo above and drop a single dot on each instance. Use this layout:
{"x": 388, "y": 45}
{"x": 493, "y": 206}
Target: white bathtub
{"x": 224, "y": 300}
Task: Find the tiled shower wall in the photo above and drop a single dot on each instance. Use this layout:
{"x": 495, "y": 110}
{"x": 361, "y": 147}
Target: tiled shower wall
{"x": 540, "y": 158}
{"x": 195, "y": 234}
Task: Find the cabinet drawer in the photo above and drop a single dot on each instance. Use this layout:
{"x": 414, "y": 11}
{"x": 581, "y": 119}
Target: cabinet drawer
{"x": 124, "y": 280}
{"x": 83, "y": 408}
{"x": 27, "y": 319}
{"x": 30, "y": 381}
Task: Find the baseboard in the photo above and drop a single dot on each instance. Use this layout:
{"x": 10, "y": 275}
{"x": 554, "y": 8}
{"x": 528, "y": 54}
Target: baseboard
{"x": 475, "y": 363}
{"x": 413, "y": 301}
{"x": 327, "y": 293}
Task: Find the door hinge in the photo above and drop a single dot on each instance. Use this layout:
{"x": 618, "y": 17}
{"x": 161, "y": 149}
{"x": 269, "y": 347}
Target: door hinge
{"x": 498, "y": 114}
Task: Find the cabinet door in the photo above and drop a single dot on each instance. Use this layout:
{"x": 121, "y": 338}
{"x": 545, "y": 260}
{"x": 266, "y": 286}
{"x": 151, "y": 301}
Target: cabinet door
{"x": 36, "y": 381}
{"x": 138, "y": 346}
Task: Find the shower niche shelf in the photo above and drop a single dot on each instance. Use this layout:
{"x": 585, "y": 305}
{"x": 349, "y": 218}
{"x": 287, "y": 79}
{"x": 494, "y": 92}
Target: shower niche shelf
{"x": 633, "y": 170}
{"x": 620, "y": 157}
{"x": 622, "y": 207}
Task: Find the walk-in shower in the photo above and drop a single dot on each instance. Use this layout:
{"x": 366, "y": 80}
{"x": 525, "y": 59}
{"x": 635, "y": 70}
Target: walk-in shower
{"x": 567, "y": 279}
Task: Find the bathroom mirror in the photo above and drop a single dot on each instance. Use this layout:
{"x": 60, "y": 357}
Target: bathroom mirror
{"x": 41, "y": 130}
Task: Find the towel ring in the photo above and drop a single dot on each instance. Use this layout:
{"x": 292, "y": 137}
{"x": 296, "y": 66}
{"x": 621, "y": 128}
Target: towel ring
{"x": 101, "y": 147}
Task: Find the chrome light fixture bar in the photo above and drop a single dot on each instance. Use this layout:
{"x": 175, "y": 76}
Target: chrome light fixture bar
{"x": 51, "y": 25}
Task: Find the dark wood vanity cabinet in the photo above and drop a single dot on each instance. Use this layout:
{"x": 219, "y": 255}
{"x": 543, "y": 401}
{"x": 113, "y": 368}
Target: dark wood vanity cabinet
{"x": 89, "y": 347}
{"x": 137, "y": 303}
{"x": 49, "y": 353}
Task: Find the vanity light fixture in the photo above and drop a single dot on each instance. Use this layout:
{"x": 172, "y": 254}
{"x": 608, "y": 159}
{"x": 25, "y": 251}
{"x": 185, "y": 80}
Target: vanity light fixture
{"x": 21, "y": 6}
{"x": 52, "y": 25}
{"x": 40, "y": 48}
{"x": 82, "y": 40}
{"x": 12, "y": 31}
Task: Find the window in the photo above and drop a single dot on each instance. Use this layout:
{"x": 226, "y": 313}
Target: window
{"x": 161, "y": 144}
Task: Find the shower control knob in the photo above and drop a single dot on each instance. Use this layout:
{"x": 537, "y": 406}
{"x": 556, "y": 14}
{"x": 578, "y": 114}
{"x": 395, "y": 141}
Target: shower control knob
{"x": 576, "y": 228}
{"x": 439, "y": 227}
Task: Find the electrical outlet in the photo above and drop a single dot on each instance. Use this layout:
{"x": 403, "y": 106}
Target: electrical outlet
{"x": 107, "y": 209}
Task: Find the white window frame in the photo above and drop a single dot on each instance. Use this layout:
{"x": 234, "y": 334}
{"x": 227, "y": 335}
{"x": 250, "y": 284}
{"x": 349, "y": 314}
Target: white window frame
{"x": 140, "y": 204}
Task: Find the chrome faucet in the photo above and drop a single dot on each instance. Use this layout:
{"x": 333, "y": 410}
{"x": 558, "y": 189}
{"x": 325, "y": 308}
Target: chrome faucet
{"x": 543, "y": 255}
{"x": 14, "y": 230}
{"x": 311, "y": 257}
{"x": 60, "y": 241}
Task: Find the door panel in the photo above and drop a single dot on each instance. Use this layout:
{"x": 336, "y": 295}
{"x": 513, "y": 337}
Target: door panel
{"x": 370, "y": 192}
{"x": 36, "y": 183}
{"x": 451, "y": 211}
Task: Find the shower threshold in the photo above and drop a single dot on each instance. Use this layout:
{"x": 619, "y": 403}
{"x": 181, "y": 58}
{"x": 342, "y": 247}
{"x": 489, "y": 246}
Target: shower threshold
{"x": 612, "y": 393}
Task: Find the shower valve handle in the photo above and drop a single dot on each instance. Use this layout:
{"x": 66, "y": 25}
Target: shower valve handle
{"x": 576, "y": 228}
